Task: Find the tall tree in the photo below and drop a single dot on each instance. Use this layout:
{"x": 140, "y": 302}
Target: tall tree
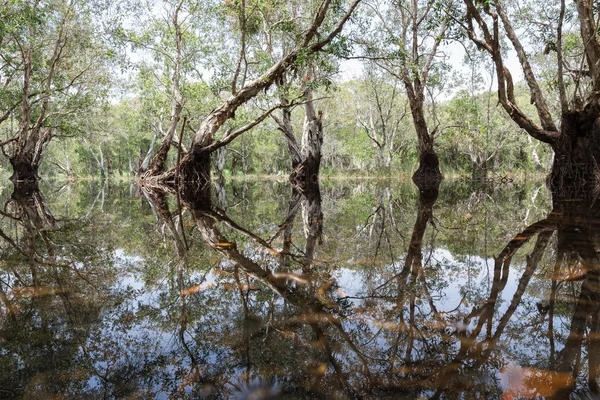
{"x": 575, "y": 139}
{"x": 305, "y": 158}
{"x": 52, "y": 65}
{"x": 381, "y": 110}
{"x": 406, "y": 43}
{"x": 299, "y": 84}
{"x": 171, "y": 45}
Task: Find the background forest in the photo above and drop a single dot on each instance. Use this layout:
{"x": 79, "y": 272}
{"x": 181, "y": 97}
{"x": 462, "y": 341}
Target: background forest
{"x": 108, "y": 81}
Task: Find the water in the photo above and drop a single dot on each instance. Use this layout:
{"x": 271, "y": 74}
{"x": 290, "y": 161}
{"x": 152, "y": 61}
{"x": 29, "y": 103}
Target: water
{"x": 367, "y": 290}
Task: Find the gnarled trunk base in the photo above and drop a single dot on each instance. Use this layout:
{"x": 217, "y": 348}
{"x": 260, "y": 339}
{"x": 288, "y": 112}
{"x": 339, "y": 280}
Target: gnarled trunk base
{"x": 428, "y": 174}
{"x": 24, "y": 191}
{"x": 306, "y": 175}
{"x": 24, "y": 169}
{"x": 195, "y": 167}
{"x": 190, "y": 178}
{"x": 575, "y": 172}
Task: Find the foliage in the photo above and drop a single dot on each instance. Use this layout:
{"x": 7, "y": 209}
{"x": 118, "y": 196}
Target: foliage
{"x": 132, "y": 46}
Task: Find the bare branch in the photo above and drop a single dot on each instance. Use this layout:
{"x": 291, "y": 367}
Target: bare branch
{"x": 491, "y": 44}
{"x": 536, "y": 93}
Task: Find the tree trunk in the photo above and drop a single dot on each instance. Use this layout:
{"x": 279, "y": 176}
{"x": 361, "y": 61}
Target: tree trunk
{"x": 195, "y": 170}
{"x": 307, "y": 172}
{"x": 292, "y": 144}
{"x": 288, "y": 227}
{"x": 428, "y": 172}
{"x": 102, "y": 169}
{"x": 158, "y": 163}
{"x": 221, "y": 192}
{"x": 195, "y": 167}
{"x": 577, "y": 151}
{"x": 413, "y": 262}
{"x": 480, "y": 169}
{"x": 146, "y": 161}
{"x": 28, "y": 156}
{"x": 221, "y": 160}
{"x": 23, "y": 168}
{"x": 244, "y": 158}
{"x": 285, "y": 125}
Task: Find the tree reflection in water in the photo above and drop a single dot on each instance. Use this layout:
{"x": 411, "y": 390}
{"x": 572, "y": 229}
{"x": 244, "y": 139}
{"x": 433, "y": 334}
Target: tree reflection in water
{"x": 50, "y": 297}
{"x": 374, "y": 302}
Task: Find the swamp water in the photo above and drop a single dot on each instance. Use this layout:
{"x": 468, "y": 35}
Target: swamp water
{"x": 364, "y": 290}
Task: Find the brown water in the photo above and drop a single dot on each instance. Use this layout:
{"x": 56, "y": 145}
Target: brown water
{"x": 367, "y": 290}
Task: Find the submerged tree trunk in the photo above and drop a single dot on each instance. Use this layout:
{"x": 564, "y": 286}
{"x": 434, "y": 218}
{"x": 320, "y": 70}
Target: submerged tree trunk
{"x": 576, "y": 143}
{"x": 413, "y": 69}
{"x": 25, "y": 149}
{"x": 312, "y": 217}
{"x": 306, "y": 162}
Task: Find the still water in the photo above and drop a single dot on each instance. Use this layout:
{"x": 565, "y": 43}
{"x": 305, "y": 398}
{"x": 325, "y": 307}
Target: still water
{"x": 364, "y": 290}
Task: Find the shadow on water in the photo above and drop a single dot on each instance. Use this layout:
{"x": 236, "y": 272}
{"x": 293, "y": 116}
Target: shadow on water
{"x": 390, "y": 295}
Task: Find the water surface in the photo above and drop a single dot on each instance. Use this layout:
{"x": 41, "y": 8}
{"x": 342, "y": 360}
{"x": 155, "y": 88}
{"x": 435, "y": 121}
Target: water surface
{"x": 363, "y": 290}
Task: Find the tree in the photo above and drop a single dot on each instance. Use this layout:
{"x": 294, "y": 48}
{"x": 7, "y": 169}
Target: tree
{"x": 299, "y": 84}
{"x": 576, "y": 139}
{"x": 175, "y": 47}
{"x": 53, "y": 67}
{"x": 195, "y": 165}
{"x": 411, "y": 33}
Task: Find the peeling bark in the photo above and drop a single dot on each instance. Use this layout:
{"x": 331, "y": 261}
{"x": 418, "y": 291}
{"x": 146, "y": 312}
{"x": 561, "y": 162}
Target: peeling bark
{"x": 307, "y": 172}
{"x": 146, "y": 162}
